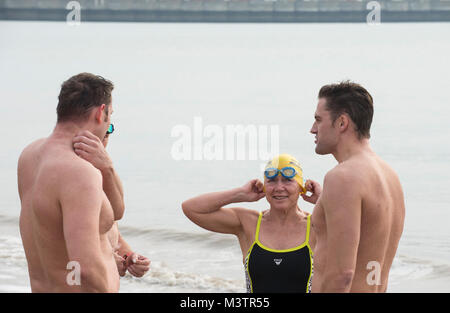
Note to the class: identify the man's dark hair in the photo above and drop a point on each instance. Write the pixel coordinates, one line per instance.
(353, 99)
(80, 93)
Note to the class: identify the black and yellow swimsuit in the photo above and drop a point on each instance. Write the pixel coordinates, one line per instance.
(287, 271)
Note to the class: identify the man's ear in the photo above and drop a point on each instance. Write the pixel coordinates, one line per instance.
(99, 113)
(343, 122)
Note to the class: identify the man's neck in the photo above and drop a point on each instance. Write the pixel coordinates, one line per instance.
(66, 131)
(351, 147)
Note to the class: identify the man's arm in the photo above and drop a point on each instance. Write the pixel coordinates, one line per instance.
(112, 185)
(124, 247)
(135, 263)
(90, 147)
(81, 200)
(342, 205)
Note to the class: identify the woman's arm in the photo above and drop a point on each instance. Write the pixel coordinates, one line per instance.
(207, 210)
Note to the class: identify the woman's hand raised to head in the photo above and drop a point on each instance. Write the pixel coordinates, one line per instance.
(251, 191)
(209, 211)
(315, 189)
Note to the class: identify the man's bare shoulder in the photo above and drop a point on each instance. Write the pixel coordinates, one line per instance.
(366, 170)
(390, 172)
(342, 189)
(73, 170)
(343, 175)
(30, 150)
(33, 144)
(79, 185)
(58, 160)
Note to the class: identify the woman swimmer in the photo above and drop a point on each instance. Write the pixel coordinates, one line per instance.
(277, 243)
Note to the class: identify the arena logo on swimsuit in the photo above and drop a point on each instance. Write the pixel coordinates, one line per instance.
(232, 142)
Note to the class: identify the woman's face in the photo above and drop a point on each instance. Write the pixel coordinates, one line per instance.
(282, 193)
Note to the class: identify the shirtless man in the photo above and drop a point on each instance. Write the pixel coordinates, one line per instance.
(89, 147)
(358, 218)
(66, 215)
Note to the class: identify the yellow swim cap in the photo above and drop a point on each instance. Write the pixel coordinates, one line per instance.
(287, 160)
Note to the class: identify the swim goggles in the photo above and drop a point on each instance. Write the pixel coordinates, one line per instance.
(286, 172)
(110, 129)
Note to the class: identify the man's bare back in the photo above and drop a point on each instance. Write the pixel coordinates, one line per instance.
(381, 220)
(65, 217)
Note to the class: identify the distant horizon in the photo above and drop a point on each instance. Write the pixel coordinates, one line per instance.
(223, 11)
(221, 17)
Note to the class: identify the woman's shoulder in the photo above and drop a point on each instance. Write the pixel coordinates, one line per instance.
(248, 218)
(244, 213)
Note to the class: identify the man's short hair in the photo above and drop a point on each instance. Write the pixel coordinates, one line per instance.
(353, 99)
(80, 93)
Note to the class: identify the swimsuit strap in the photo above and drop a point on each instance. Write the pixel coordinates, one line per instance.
(257, 227)
(308, 227)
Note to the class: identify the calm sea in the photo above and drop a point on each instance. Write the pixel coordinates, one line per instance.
(168, 76)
